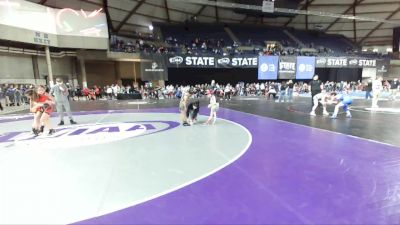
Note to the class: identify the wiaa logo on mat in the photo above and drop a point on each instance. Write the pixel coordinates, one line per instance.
(84, 135)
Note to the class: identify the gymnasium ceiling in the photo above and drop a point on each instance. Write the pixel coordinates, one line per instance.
(126, 16)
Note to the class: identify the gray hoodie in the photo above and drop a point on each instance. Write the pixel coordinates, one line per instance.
(60, 92)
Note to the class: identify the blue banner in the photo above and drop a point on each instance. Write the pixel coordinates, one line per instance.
(268, 67)
(305, 68)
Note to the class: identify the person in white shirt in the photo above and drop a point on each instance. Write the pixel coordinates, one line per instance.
(377, 88)
(394, 89)
(214, 106)
(262, 89)
(114, 91)
(322, 98)
(227, 92)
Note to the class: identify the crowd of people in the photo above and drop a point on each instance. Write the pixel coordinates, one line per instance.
(137, 46)
(218, 46)
(200, 45)
(281, 91)
(13, 95)
(43, 100)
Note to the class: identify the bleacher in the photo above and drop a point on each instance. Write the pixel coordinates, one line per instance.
(259, 34)
(317, 40)
(180, 38)
(186, 34)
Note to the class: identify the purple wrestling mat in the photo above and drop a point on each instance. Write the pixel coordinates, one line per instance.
(291, 174)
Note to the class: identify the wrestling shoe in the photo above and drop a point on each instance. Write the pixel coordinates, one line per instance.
(312, 114)
(72, 122)
(333, 117)
(348, 115)
(52, 131)
(35, 132)
(61, 123)
(326, 114)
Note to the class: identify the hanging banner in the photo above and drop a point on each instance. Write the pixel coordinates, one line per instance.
(286, 64)
(353, 62)
(367, 63)
(206, 61)
(224, 62)
(153, 67)
(345, 62)
(244, 62)
(382, 68)
(268, 67)
(336, 62)
(320, 62)
(305, 67)
(287, 67)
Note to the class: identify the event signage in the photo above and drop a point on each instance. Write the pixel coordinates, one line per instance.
(41, 38)
(212, 61)
(305, 67)
(353, 62)
(320, 62)
(382, 67)
(367, 62)
(244, 61)
(153, 67)
(268, 67)
(336, 62)
(344, 62)
(199, 61)
(287, 67)
(268, 6)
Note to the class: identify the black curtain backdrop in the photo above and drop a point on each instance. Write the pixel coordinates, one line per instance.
(339, 74)
(191, 76)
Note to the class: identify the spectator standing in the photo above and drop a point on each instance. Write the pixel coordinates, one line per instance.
(368, 89)
(282, 92)
(316, 87)
(290, 90)
(394, 88)
(377, 88)
(60, 93)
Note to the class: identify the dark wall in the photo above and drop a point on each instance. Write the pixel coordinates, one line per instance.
(199, 75)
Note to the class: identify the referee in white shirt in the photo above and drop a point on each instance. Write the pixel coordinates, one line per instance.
(377, 88)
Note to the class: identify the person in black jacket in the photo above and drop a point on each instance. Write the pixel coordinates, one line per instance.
(316, 88)
(368, 89)
(290, 90)
(282, 92)
(192, 112)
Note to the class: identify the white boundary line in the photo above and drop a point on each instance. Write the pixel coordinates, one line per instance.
(372, 111)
